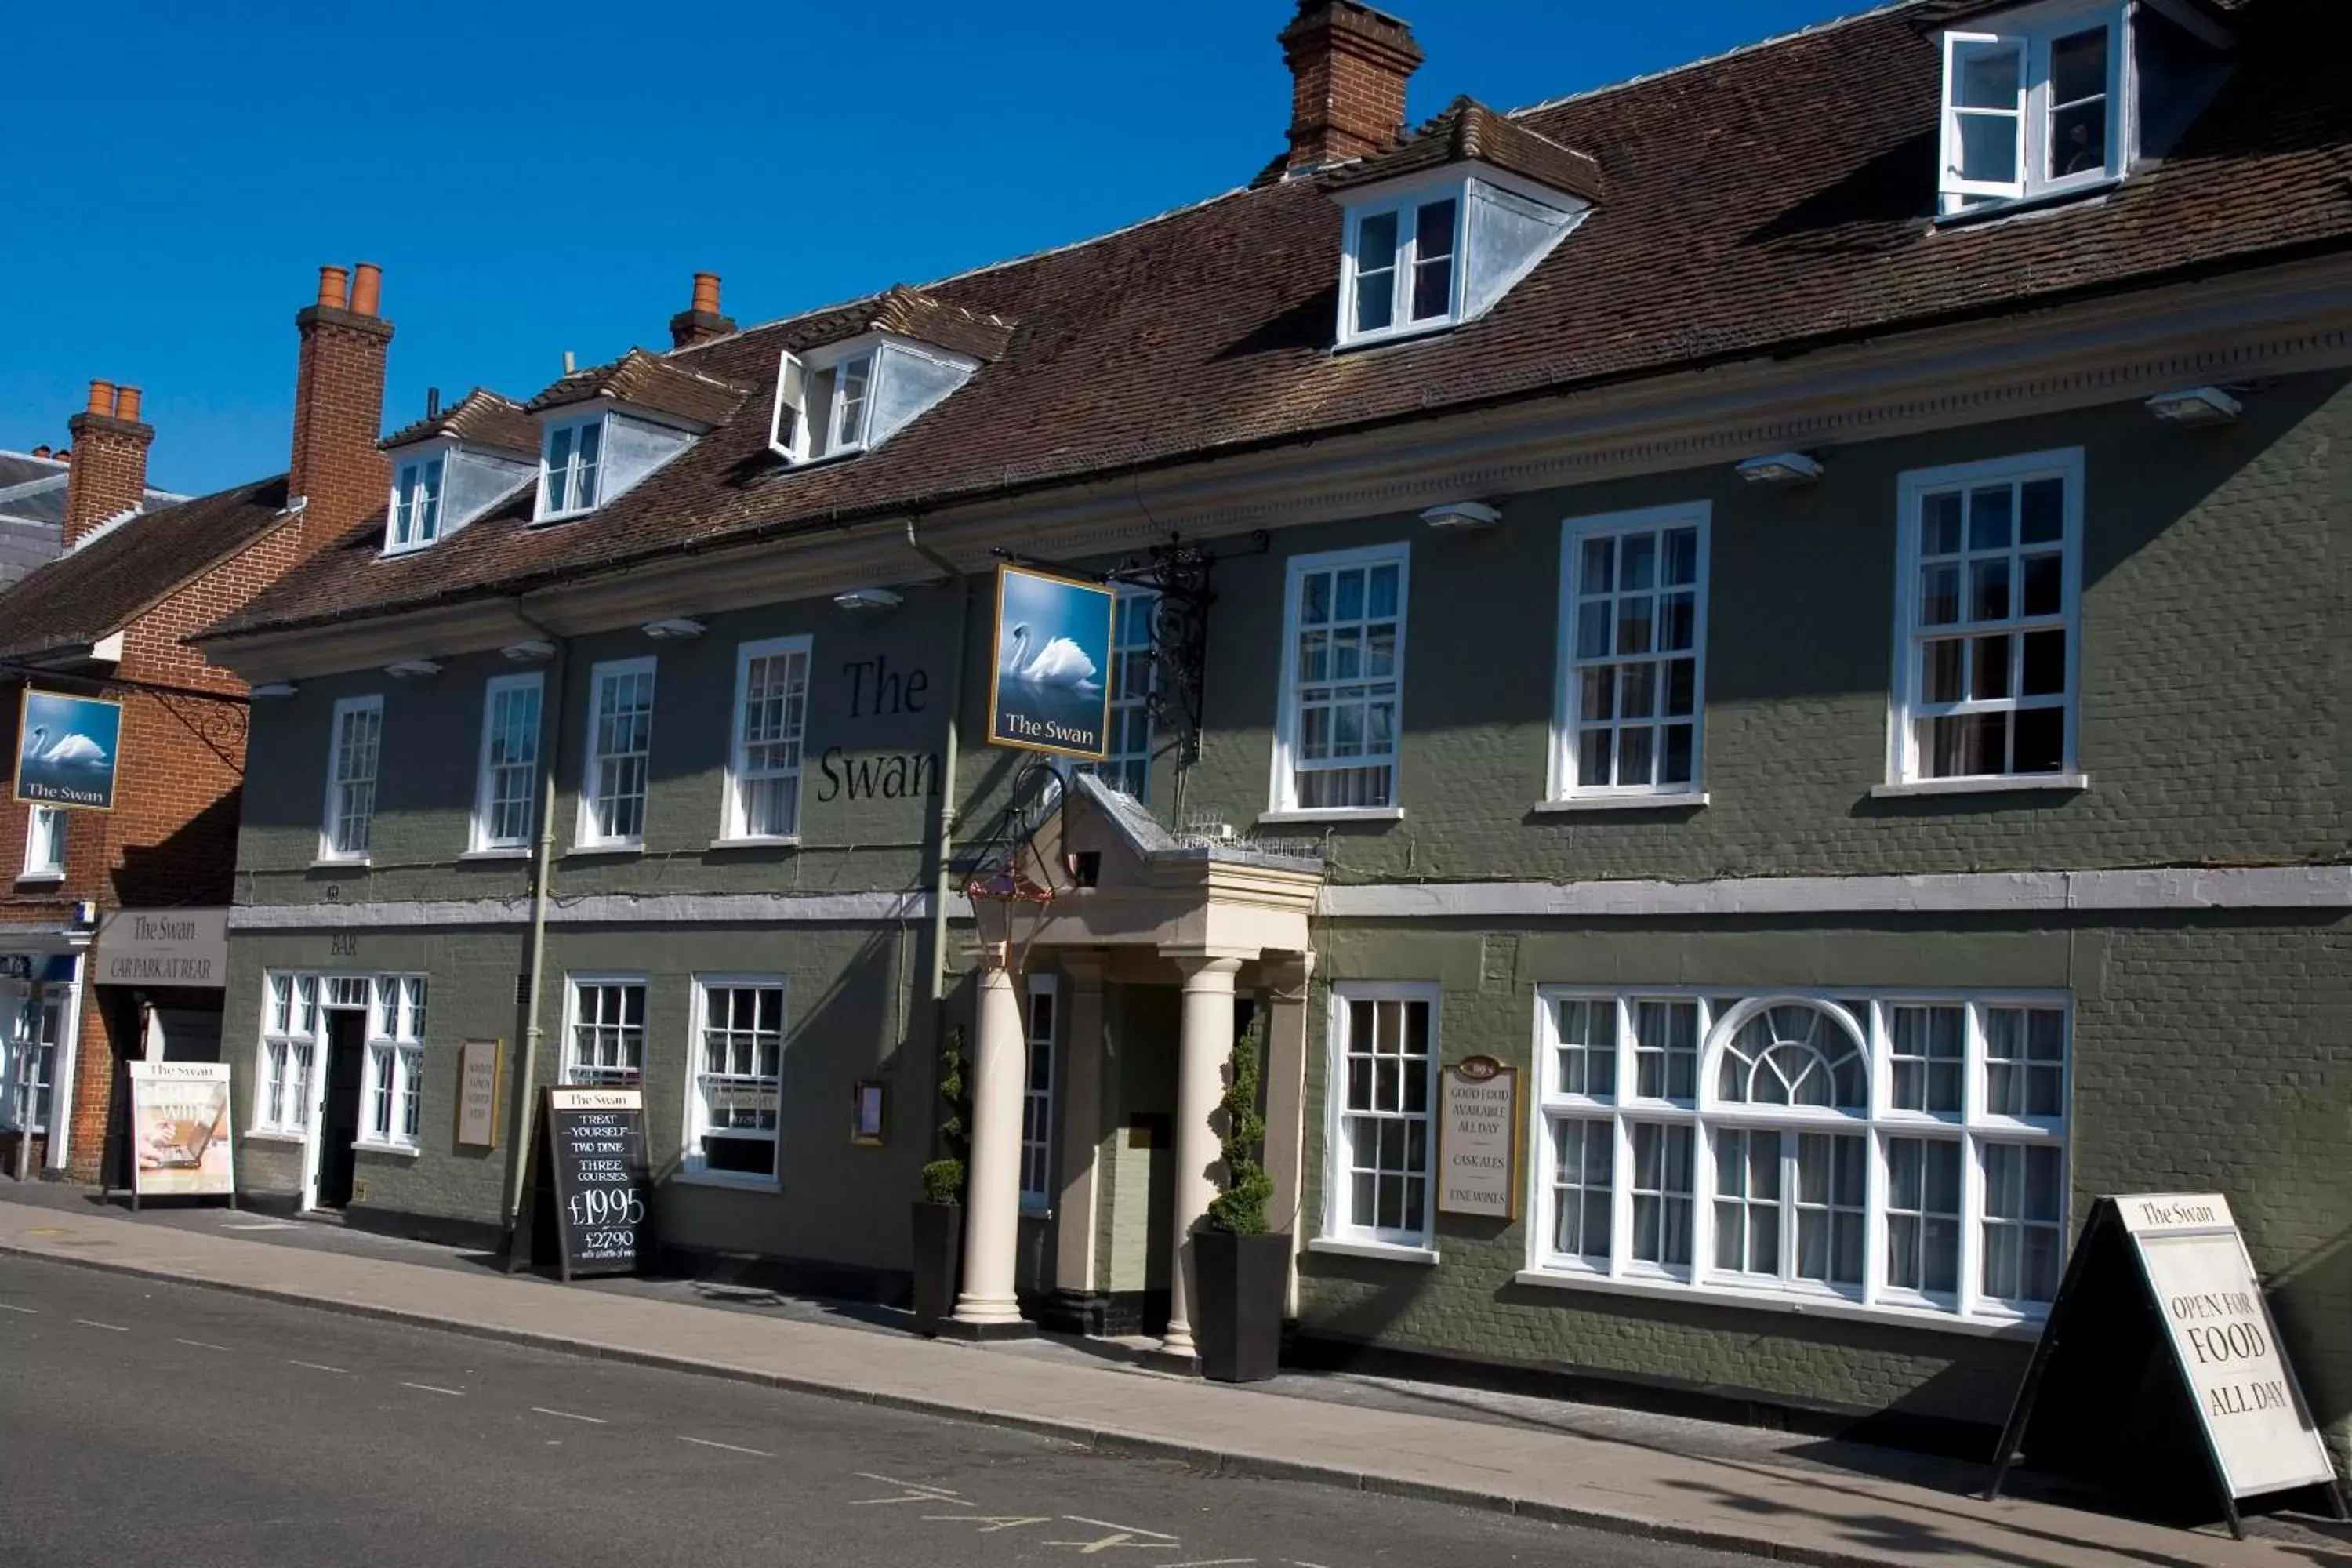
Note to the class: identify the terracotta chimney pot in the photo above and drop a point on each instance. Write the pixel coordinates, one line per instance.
(706, 293)
(126, 403)
(367, 289)
(333, 287)
(102, 398)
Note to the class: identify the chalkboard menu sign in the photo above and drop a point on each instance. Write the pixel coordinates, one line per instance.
(589, 1196)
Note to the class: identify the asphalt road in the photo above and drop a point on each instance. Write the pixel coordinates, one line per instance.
(142, 1423)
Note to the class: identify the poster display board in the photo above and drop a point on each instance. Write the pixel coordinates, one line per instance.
(589, 1196)
(66, 750)
(180, 1142)
(1049, 688)
(477, 1093)
(2180, 1259)
(1479, 1140)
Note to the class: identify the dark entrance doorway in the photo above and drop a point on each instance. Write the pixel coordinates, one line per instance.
(339, 1121)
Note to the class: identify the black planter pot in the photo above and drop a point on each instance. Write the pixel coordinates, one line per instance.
(938, 1263)
(1238, 1322)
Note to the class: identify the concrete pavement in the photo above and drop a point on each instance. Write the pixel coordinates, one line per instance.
(1759, 1508)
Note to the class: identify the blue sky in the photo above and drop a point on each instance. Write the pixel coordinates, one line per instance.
(535, 177)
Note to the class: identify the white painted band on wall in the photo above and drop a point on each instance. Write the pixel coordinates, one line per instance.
(601, 909)
(2009, 892)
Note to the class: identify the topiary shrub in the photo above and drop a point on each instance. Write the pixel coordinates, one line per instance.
(1241, 1207)
(943, 1178)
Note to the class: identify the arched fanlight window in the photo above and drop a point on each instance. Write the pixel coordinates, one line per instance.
(1795, 1053)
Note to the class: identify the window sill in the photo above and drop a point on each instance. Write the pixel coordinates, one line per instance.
(2022, 784)
(741, 1181)
(773, 841)
(1681, 800)
(520, 852)
(275, 1135)
(40, 878)
(1336, 814)
(592, 851)
(1385, 1251)
(341, 863)
(2009, 207)
(1412, 332)
(375, 1146)
(2026, 1329)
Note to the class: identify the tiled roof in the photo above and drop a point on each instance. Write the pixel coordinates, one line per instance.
(93, 592)
(1768, 200)
(1467, 130)
(649, 381)
(912, 313)
(33, 489)
(480, 418)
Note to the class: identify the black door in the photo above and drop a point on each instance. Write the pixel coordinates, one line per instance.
(340, 1125)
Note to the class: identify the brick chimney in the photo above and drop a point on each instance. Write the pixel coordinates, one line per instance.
(337, 469)
(701, 322)
(1349, 64)
(107, 470)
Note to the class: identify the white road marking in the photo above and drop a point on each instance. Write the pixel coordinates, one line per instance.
(1129, 1528)
(263, 1225)
(428, 1388)
(916, 1491)
(1215, 1563)
(568, 1415)
(707, 1443)
(28, 1312)
(315, 1366)
(990, 1524)
(94, 1323)
(895, 1482)
(200, 1344)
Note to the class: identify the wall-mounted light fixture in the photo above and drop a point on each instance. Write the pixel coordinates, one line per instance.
(1780, 468)
(674, 626)
(412, 669)
(274, 688)
(2196, 406)
(867, 599)
(1462, 516)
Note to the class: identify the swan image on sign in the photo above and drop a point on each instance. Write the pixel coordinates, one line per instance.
(1048, 691)
(66, 750)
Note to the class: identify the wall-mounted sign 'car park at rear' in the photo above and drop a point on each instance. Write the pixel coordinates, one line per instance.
(65, 748)
(1050, 690)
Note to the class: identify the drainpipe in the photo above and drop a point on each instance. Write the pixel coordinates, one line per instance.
(551, 723)
(940, 878)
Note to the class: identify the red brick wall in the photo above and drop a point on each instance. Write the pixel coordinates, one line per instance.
(1348, 67)
(108, 474)
(338, 418)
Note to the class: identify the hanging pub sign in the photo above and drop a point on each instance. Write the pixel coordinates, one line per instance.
(1479, 1140)
(66, 750)
(2164, 1278)
(1050, 686)
(589, 1196)
(180, 1144)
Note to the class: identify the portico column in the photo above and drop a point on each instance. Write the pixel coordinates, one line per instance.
(1081, 1139)
(1286, 1097)
(1203, 1048)
(992, 1193)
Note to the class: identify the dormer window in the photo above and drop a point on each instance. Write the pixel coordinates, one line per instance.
(851, 397)
(567, 469)
(1400, 271)
(415, 520)
(2034, 104)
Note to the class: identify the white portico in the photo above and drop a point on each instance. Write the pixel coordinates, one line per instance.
(1134, 907)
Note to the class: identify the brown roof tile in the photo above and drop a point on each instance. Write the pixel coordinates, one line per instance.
(93, 592)
(480, 418)
(1771, 199)
(649, 381)
(1468, 129)
(912, 313)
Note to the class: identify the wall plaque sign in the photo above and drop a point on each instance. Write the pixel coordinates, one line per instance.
(477, 1094)
(164, 947)
(1479, 1140)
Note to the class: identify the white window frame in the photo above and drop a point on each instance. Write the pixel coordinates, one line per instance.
(693, 1163)
(1721, 1012)
(1406, 207)
(1341, 1229)
(1905, 768)
(45, 843)
(336, 818)
(486, 840)
(285, 1089)
(734, 816)
(1038, 1182)
(391, 1084)
(587, 834)
(419, 490)
(1567, 717)
(1128, 764)
(553, 505)
(842, 437)
(599, 1076)
(2029, 32)
(29, 1086)
(1283, 793)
